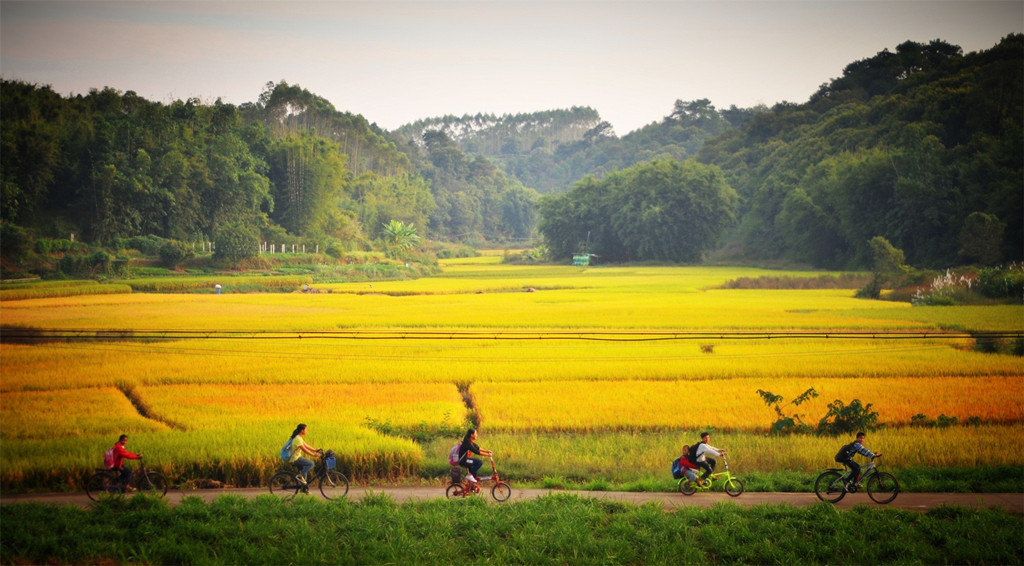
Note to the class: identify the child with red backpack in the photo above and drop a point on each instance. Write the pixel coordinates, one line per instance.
(682, 466)
(114, 458)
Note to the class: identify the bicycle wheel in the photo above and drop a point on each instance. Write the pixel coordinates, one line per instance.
(455, 490)
(501, 491)
(284, 485)
(333, 485)
(102, 485)
(829, 487)
(883, 487)
(152, 483)
(734, 487)
(686, 487)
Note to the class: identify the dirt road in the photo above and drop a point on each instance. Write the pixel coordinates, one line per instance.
(1012, 502)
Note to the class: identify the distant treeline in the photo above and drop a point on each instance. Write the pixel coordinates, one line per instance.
(923, 146)
(110, 165)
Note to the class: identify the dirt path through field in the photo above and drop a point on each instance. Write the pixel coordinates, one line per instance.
(1012, 502)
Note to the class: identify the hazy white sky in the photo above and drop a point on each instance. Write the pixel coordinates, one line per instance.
(398, 61)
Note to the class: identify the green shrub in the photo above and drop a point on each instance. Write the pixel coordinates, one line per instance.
(173, 253)
(1000, 282)
(787, 424)
(335, 251)
(46, 246)
(15, 241)
(845, 419)
(872, 290)
(100, 261)
(148, 244)
(235, 244)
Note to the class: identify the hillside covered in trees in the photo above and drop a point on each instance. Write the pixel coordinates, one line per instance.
(922, 146)
(915, 145)
(111, 165)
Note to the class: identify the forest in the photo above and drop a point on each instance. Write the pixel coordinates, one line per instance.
(923, 146)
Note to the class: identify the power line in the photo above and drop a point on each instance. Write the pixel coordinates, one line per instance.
(34, 335)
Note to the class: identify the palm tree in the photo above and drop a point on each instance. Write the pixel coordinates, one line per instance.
(400, 237)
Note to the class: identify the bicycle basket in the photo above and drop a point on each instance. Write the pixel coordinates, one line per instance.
(456, 475)
(329, 460)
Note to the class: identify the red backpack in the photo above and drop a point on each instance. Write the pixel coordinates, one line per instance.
(108, 458)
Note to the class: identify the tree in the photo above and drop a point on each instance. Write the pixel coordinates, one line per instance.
(888, 268)
(400, 238)
(173, 253)
(786, 424)
(981, 239)
(235, 243)
(663, 210)
(377, 200)
(844, 419)
(309, 177)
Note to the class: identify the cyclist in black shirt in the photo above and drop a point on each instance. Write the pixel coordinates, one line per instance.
(466, 452)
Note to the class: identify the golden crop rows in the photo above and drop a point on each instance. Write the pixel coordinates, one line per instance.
(734, 404)
(217, 406)
(314, 361)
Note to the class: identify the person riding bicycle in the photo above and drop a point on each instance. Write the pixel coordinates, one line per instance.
(700, 457)
(466, 451)
(846, 453)
(119, 454)
(299, 447)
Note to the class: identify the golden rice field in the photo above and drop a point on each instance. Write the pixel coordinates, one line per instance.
(605, 358)
(734, 405)
(623, 457)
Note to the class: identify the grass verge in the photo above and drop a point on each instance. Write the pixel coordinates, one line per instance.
(557, 529)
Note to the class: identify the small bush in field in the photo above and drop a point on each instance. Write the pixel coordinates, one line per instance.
(787, 424)
(844, 419)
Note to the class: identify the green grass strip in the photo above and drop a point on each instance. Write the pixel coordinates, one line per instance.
(556, 529)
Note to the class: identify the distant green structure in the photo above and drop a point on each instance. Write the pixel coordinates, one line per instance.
(581, 259)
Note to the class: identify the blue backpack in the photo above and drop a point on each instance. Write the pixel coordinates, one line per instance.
(286, 451)
(677, 469)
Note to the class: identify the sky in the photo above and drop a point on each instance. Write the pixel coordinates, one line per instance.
(395, 62)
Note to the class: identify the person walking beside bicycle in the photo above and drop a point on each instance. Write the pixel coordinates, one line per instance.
(466, 452)
(699, 453)
(115, 457)
(846, 453)
(300, 447)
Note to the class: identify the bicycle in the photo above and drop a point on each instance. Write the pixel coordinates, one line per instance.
(107, 483)
(331, 483)
(733, 486)
(500, 491)
(834, 483)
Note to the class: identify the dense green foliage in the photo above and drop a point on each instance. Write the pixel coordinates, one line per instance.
(111, 165)
(663, 210)
(474, 197)
(556, 529)
(906, 145)
(923, 147)
(551, 150)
